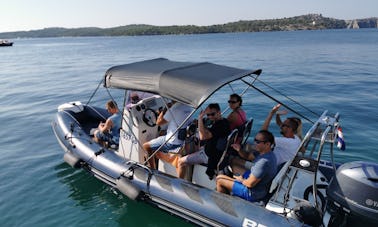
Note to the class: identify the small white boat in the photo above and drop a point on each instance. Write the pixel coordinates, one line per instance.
(307, 190)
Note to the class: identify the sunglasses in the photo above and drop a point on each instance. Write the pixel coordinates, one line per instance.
(259, 141)
(232, 101)
(211, 114)
(285, 125)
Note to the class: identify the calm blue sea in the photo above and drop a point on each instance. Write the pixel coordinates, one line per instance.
(334, 69)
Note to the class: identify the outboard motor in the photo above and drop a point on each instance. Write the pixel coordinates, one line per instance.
(353, 195)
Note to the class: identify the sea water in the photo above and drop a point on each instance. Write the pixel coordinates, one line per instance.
(331, 69)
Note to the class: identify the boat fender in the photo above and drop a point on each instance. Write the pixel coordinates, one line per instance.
(125, 186)
(307, 214)
(71, 160)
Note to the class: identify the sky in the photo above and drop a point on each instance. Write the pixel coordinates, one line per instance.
(25, 15)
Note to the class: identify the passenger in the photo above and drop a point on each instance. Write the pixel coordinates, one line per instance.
(298, 131)
(174, 117)
(191, 146)
(288, 143)
(286, 146)
(108, 133)
(134, 98)
(238, 116)
(214, 136)
(253, 184)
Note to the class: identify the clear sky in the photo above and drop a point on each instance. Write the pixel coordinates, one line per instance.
(24, 15)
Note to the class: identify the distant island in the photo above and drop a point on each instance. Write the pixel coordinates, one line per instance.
(305, 22)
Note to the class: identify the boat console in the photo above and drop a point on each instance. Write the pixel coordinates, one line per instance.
(139, 126)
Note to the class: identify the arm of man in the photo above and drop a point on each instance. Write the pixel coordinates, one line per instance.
(204, 133)
(251, 181)
(104, 127)
(160, 120)
(265, 126)
(258, 171)
(245, 152)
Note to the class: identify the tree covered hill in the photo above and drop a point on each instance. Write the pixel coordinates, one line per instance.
(305, 22)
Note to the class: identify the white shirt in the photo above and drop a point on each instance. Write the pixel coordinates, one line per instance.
(175, 116)
(285, 148)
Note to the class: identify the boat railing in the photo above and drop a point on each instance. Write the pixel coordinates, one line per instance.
(323, 132)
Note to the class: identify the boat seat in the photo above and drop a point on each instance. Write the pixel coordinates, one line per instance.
(199, 177)
(199, 170)
(242, 136)
(273, 185)
(168, 168)
(246, 131)
(279, 176)
(224, 160)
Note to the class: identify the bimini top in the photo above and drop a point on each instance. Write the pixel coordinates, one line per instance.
(187, 82)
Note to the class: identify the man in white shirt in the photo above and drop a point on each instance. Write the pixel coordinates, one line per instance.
(174, 117)
(287, 145)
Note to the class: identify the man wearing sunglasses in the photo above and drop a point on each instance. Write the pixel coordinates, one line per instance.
(252, 184)
(288, 143)
(215, 137)
(285, 145)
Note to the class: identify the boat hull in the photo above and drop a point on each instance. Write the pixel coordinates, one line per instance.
(6, 44)
(192, 202)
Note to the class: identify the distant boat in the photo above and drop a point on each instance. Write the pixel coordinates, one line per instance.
(5, 43)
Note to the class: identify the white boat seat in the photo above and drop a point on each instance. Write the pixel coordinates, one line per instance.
(167, 168)
(199, 177)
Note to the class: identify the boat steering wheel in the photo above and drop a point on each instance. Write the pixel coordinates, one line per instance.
(150, 117)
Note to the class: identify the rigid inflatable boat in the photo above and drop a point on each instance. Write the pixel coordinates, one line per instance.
(309, 189)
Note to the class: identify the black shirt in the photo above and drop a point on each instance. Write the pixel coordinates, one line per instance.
(216, 144)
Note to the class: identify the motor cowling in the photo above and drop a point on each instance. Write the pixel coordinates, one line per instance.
(353, 195)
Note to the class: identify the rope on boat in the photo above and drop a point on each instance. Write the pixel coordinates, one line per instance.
(289, 98)
(95, 91)
(276, 100)
(254, 77)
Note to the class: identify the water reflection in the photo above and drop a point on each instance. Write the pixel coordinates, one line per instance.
(91, 194)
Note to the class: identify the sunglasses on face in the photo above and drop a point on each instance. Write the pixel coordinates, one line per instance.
(259, 141)
(232, 101)
(285, 125)
(211, 114)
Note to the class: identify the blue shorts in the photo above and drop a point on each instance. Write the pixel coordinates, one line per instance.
(246, 174)
(157, 142)
(240, 190)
